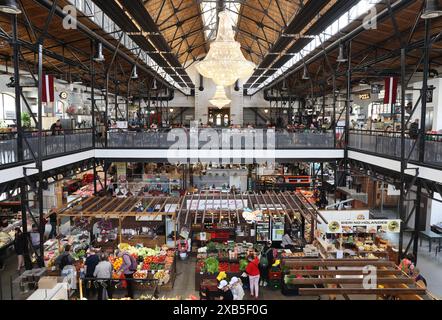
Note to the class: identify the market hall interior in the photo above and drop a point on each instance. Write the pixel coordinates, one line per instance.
(220, 150)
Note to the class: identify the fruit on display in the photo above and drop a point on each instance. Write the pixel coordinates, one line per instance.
(162, 276)
(140, 275)
(223, 266)
(234, 267)
(117, 263)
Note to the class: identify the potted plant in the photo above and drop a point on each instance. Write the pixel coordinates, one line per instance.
(26, 120)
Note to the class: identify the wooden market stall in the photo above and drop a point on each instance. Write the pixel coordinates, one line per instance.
(345, 277)
(130, 215)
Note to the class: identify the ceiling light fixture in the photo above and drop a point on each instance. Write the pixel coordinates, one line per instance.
(225, 62)
(433, 9)
(305, 75)
(220, 99)
(341, 56)
(99, 57)
(135, 73)
(9, 6)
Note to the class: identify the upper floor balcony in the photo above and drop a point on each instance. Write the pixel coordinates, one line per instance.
(388, 145)
(378, 143)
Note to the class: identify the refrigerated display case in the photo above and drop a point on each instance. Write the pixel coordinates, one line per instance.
(277, 226)
(263, 231)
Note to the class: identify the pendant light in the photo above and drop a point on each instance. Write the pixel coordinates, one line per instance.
(341, 56)
(9, 6)
(99, 57)
(225, 62)
(220, 99)
(284, 85)
(305, 75)
(135, 73)
(154, 87)
(433, 9)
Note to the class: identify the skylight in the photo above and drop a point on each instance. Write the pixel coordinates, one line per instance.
(95, 14)
(356, 12)
(208, 9)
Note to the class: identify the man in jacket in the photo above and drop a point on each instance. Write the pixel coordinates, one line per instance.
(414, 129)
(64, 259)
(103, 271)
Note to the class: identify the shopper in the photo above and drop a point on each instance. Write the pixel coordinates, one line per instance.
(287, 242)
(237, 288)
(414, 129)
(128, 267)
(265, 263)
(407, 264)
(53, 222)
(35, 238)
(90, 264)
(56, 128)
(19, 247)
(419, 278)
(103, 272)
(252, 270)
(225, 291)
(65, 259)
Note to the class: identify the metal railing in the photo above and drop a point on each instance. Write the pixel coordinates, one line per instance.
(233, 139)
(387, 143)
(65, 142)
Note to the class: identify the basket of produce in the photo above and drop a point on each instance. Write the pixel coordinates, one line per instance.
(234, 267)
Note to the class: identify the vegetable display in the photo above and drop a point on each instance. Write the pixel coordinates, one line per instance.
(212, 265)
(243, 264)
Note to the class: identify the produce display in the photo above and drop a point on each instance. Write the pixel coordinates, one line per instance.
(152, 263)
(224, 257)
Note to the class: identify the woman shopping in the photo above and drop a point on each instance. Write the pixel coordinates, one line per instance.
(252, 271)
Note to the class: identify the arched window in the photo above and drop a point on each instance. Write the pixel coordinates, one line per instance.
(7, 106)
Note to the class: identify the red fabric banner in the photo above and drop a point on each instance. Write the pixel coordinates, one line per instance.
(391, 86)
(48, 89)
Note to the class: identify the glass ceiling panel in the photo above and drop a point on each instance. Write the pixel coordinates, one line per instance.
(356, 12)
(208, 9)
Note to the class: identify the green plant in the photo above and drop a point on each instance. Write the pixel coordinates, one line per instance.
(25, 120)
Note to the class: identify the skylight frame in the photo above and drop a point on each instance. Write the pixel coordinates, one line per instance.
(96, 15)
(363, 7)
(208, 10)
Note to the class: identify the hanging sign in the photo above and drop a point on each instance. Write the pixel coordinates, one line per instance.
(365, 96)
(364, 226)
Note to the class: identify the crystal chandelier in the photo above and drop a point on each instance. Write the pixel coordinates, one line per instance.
(225, 63)
(220, 99)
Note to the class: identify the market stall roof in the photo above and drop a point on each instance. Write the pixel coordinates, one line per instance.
(122, 207)
(327, 278)
(203, 207)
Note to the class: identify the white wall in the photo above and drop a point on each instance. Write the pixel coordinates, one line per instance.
(435, 106)
(435, 210)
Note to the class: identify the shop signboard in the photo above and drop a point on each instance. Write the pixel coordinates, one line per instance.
(364, 226)
(340, 215)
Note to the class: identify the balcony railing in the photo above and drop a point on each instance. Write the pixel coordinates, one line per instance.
(388, 144)
(66, 142)
(223, 139)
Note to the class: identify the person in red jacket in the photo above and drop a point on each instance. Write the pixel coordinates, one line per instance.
(252, 271)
